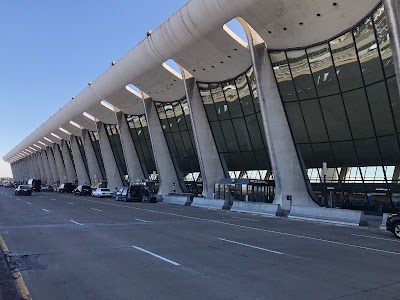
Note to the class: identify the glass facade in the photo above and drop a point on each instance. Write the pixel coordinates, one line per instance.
(141, 139)
(116, 147)
(94, 138)
(177, 127)
(343, 107)
(234, 114)
(82, 151)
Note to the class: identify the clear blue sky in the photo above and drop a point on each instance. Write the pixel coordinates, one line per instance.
(51, 49)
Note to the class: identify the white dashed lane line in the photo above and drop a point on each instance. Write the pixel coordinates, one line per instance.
(142, 220)
(45, 210)
(70, 203)
(156, 255)
(96, 209)
(77, 223)
(29, 203)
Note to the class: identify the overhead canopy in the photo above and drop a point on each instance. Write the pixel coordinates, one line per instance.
(194, 37)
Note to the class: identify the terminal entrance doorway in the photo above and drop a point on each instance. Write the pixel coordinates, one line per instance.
(247, 190)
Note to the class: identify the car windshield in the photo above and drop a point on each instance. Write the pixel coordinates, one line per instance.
(105, 190)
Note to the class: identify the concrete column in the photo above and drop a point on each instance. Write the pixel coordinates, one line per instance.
(81, 172)
(52, 163)
(69, 165)
(133, 165)
(113, 177)
(392, 10)
(46, 166)
(62, 175)
(207, 153)
(31, 167)
(165, 167)
(287, 167)
(36, 167)
(13, 169)
(93, 164)
(40, 165)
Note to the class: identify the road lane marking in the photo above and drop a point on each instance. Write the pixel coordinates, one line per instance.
(53, 199)
(377, 238)
(158, 256)
(142, 220)
(251, 228)
(70, 203)
(45, 210)
(77, 223)
(96, 209)
(29, 203)
(250, 246)
(245, 219)
(18, 199)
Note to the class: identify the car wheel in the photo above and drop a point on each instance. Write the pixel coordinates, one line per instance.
(396, 229)
(15, 193)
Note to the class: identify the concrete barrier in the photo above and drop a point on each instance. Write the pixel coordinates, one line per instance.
(256, 207)
(208, 203)
(329, 215)
(178, 199)
(384, 219)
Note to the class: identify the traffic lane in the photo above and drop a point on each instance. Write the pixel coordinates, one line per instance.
(111, 233)
(336, 234)
(357, 236)
(301, 265)
(222, 262)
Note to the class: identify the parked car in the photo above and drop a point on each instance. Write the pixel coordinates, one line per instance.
(393, 224)
(66, 188)
(47, 188)
(129, 194)
(102, 192)
(136, 193)
(23, 190)
(83, 190)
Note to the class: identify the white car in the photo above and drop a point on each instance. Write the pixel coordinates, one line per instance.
(102, 192)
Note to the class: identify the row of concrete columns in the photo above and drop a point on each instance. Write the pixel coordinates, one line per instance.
(51, 163)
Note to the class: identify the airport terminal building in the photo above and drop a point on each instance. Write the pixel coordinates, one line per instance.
(305, 113)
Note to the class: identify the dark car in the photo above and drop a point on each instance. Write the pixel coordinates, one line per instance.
(83, 190)
(66, 188)
(393, 224)
(23, 190)
(47, 188)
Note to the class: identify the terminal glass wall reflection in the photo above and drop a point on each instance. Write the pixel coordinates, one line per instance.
(82, 151)
(176, 124)
(116, 147)
(343, 107)
(94, 139)
(141, 139)
(234, 114)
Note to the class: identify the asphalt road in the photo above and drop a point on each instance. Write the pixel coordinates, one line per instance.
(71, 247)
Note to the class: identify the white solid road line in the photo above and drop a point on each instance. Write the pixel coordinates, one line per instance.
(77, 223)
(245, 219)
(29, 203)
(376, 238)
(45, 210)
(70, 203)
(158, 256)
(250, 246)
(251, 228)
(142, 220)
(96, 209)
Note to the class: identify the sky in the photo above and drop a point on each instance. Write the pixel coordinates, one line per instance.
(51, 49)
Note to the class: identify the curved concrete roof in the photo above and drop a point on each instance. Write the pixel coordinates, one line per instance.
(194, 37)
